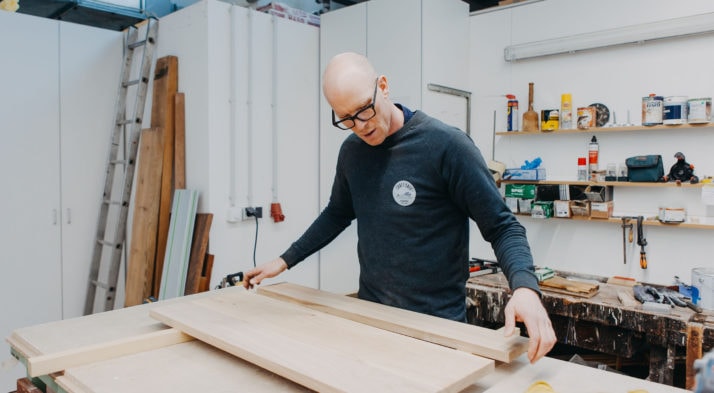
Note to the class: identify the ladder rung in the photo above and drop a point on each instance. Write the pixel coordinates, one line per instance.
(110, 202)
(136, 44)
(114, 162)
(125, 121)
(99, 284)
(131, 83)
(106, 243)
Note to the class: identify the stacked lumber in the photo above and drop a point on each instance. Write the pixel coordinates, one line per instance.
(569, 287)
(161, 172)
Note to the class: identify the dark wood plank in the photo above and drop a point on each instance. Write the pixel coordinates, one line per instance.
(199, 246)
(163, 115)
(140, 271)
(207, 271)
(180, 142)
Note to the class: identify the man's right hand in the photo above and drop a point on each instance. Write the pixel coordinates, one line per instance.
(269, 269)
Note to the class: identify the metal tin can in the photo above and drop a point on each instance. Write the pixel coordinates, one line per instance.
(699, 110)
(675, 110)
(512, 113)
(549, 119)
(652, 110)
(586, 117)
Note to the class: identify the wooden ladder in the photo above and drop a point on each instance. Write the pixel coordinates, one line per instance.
(111, 226)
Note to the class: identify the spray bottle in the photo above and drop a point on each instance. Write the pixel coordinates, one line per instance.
(512, 113)
(593, 152)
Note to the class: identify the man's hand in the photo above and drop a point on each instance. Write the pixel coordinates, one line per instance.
(269, 269)
(525, 306)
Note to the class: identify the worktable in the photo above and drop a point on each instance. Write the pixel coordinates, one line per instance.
(603, 324)
(193, 365)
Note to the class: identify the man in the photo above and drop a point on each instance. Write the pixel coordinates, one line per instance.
(413, 182)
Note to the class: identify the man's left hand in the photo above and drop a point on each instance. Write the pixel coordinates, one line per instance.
(525, 306)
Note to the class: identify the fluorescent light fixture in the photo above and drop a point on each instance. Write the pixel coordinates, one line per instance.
(669, 28)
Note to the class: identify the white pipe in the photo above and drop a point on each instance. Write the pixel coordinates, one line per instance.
(274, 109)
(233, 107)
(249, 112)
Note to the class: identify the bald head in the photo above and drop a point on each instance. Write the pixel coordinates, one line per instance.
(347, 74)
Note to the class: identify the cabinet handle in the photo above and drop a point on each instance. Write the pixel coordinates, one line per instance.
(54, 216)
(69, 216)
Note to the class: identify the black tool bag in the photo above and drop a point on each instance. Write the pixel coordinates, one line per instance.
(647, 168)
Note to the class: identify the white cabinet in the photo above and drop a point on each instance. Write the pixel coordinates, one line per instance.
(413, 45)
(53, 116)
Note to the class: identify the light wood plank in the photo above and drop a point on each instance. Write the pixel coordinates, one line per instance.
(180, 141)
(473, 339)
(139, 276)
(46, 364)
(182, 368)
(199, 246)
(163, 115)
(320, 351)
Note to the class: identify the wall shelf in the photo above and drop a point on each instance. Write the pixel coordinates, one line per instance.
(608, 129)
(694, 222)
(608, 183)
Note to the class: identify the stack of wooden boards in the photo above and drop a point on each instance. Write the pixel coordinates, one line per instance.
(567, 286)
(184, 267)
(318, 340)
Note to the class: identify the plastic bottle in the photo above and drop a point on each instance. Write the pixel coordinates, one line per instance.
(566, 111)
(512, 113)
(593, 152)
(582, 169)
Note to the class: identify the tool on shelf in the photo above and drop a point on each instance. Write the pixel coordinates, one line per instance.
(530, 117)
(479, 267)
(111, 226)
(642, 242)
(626, 224)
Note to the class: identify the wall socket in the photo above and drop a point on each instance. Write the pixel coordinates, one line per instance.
(249, 212)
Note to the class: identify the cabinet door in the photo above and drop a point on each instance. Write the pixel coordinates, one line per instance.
(90, 64)
(30, 275)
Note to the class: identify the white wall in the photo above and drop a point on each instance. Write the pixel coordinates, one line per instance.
(618, 77)
(200, 36)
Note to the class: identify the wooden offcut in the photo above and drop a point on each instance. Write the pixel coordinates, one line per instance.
(695, 332)
(569, 287)
(321, 351)
(469, 338)
(163, 115)
(180, 141)
(140, 271)
(206, 275)
(199, 246)
(51, 363)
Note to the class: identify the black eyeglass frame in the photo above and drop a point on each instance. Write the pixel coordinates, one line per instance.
(342, 123)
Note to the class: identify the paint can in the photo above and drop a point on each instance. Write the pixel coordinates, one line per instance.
(703, 280)
(586, 117)
(699, 110)
(675, 110)
(549, 119)
(652, 110)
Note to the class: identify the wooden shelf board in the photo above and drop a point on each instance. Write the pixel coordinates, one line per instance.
(607, 183)
(608, 129)
(695, 223)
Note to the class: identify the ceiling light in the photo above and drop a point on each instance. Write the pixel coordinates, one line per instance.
(669, 28)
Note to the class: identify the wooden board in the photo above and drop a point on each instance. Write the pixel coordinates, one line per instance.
(51, 363)
(569, 287)
(321, 351)
(183, 217)
(163, 115)
(206, 275)
(140, 272)
(199, 246)
(473, 339)
(182, 368)
(180, 141)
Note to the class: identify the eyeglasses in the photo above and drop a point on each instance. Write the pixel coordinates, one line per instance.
(363, 114)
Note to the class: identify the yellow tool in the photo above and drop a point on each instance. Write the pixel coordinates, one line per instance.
(540, 387)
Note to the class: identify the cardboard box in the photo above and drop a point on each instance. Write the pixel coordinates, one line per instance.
(285, 11)
(599, 193)
(580, 208)
(542, 209)
(524, 174)
(601, 209)
(512, 203)
(523, 191)
(561, 209)
(525, 205)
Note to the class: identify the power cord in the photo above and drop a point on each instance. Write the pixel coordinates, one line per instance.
(255, 244)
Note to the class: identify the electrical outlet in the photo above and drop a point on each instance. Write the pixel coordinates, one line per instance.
(249, 212)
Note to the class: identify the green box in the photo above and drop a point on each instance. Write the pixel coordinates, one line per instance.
(542, 209)
(523, 191)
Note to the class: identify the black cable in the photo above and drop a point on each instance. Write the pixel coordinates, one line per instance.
(255, 244)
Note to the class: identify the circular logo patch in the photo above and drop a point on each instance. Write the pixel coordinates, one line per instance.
(404, 193)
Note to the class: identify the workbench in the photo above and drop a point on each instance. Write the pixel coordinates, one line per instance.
(193, 365)
(602, 323)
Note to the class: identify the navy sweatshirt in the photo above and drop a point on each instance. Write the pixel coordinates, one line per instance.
(412, 197)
